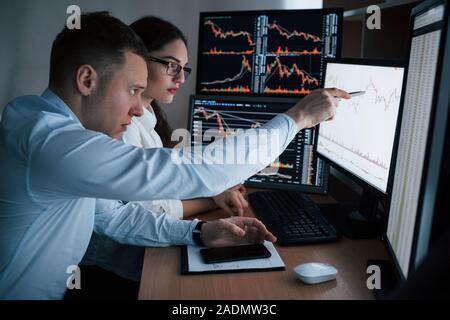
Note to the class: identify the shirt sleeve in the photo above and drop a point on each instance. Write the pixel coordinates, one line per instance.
(132, 224)
(70, 161)
(170, 207)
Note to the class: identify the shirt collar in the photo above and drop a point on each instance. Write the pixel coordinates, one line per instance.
(56, 101)
(150, 117)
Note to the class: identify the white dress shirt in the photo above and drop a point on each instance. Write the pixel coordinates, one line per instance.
(141, 133)
(55, 177)
(122, 259)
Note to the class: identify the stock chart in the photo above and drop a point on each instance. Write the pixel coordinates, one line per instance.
(361, 136)
(296, 166)
(273, 53)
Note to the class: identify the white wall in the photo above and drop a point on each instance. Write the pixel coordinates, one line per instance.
(28, 27)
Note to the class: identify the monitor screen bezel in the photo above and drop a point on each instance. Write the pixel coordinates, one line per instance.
(379, 63)
(338, 11)
(263, 185)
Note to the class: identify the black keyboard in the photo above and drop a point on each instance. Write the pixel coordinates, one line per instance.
(292, 217)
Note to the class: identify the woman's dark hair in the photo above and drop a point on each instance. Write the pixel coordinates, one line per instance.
(100, 42)
(156, 33)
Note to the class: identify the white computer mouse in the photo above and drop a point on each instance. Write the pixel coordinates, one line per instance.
(315, 272)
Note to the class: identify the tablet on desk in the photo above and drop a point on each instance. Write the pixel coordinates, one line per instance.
(192, 261)
(236, 253)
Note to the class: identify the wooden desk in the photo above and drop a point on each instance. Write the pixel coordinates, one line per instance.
(161, 277)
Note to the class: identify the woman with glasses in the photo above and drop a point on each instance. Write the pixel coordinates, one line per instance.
(167, 71)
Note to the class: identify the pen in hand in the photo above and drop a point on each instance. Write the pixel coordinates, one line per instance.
(353, 94)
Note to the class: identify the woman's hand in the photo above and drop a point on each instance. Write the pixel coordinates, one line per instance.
(232, 201)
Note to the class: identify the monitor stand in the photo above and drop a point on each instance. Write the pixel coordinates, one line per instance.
(355, 224)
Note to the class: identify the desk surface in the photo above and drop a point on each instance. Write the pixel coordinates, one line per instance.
(161, 277)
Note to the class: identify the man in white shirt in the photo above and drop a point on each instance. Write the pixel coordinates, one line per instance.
(59, 164)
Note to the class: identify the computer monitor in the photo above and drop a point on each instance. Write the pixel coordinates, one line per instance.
(360, 140)
(297, 168)
(424, 134)
(278, 53)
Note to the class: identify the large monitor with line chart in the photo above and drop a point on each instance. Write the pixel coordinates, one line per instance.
(360, 139)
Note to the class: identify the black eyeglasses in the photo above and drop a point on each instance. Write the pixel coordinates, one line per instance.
(173, 69)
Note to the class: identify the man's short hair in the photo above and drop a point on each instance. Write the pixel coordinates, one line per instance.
(100, 42)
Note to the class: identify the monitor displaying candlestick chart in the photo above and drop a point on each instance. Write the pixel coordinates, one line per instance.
(277, 53)
(360, 139)
(296, 168)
